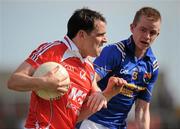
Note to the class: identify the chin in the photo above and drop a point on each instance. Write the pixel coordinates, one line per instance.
(95, 54)
(98, 53)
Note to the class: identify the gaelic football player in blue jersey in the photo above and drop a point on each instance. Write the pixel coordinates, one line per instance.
(133, 60)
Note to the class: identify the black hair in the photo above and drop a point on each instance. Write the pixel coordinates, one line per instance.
(83, 19)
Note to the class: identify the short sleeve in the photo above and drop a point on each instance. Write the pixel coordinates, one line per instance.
(147, 94)
(109, 58)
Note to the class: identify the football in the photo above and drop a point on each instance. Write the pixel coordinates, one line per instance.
(42, 70)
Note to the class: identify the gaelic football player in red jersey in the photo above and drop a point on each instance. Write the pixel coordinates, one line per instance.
(85, 36)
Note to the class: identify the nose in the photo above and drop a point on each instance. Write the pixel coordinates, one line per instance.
(105, 39)
(147, 35)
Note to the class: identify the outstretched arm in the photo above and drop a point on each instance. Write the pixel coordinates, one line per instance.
(99, 99)
(22, 80)
(142, 114)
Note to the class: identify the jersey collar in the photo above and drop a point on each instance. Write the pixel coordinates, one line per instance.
(73, 48)
(131, 47)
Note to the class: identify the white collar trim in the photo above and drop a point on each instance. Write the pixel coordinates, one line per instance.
(73, 48)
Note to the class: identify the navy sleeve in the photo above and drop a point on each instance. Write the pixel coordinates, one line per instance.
(147, 94)
(107, 61)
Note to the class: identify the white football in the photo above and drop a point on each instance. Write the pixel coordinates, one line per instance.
(42, 70)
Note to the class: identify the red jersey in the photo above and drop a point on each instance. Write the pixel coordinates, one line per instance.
(61, 113)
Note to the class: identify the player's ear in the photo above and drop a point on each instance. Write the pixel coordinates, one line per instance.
(81, 34)
(132, 27)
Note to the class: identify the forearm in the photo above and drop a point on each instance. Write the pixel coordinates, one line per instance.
(85, 113)
(111, 93)
(21, 82)
(100, 99)
(142, 118)
(93, 104)
(107, 95)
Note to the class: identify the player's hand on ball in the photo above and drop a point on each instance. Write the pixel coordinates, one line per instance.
(54, 83)
(114, 86)
(55, 80)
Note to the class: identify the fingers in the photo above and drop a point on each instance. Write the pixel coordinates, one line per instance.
(57, 78)
(96, 101)
(120, 84)
(114, 87)
(63, 89)
(63, 85)
(99, 105)
(116, 81)
(64, 81)
(54, 70)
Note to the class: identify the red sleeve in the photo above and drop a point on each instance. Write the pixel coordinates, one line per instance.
(46, 52)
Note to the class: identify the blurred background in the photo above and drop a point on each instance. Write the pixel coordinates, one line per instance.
(24, 24)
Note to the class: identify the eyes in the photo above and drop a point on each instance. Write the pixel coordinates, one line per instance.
(152, 33)
(101, 34)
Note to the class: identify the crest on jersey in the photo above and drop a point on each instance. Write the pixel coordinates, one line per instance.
(83, 75)
(147, 77)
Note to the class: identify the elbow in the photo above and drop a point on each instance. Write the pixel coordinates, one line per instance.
(10, 84)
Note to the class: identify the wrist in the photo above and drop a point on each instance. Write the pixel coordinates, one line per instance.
(37, 83)
(107, 95)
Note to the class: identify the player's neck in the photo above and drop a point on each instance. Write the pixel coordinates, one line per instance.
(79, 45)
(139, 53)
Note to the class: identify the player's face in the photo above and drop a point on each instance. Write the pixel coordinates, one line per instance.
(145, 32)
(95, 40)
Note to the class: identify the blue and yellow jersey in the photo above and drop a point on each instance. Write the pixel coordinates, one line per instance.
(118, 59)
